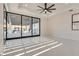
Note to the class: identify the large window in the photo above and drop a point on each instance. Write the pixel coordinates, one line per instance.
(75, 21)
(18, 26)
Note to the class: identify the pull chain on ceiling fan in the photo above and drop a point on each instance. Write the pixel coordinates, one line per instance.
(47, 9)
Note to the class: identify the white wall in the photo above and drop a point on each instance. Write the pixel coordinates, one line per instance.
(44, 26)
(60, 26)
(1, 28)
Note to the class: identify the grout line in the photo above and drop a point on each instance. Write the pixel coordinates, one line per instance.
(47, 49)
(41, 47)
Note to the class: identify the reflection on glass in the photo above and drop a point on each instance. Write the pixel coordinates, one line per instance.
(26, 26)
(35, 26)
(13, 25)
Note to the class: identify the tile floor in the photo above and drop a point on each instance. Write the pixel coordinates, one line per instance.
(25, 41)
(42, 46)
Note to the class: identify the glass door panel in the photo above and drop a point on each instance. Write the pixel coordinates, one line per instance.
(13, 25)
(35, 26)
(26, 26)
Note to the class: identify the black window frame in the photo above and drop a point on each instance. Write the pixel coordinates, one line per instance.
(74, 22)
(21, 26)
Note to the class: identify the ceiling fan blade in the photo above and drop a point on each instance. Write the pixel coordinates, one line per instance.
(49, 11)
(53, 9)
(40, 7)
(50, 6)
(45, 5)
(42, 11)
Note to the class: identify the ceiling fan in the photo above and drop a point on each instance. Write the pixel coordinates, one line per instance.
(47, 9)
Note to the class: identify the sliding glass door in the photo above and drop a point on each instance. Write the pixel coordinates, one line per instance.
(19, 26)
(26, 26)
(35, 26)
(13, 25)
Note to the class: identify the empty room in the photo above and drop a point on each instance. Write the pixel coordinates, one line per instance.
(39, 29)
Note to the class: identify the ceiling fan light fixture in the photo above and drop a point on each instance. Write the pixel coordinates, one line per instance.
(45, 10)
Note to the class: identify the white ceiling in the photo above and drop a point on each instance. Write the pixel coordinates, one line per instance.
(32, 7)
